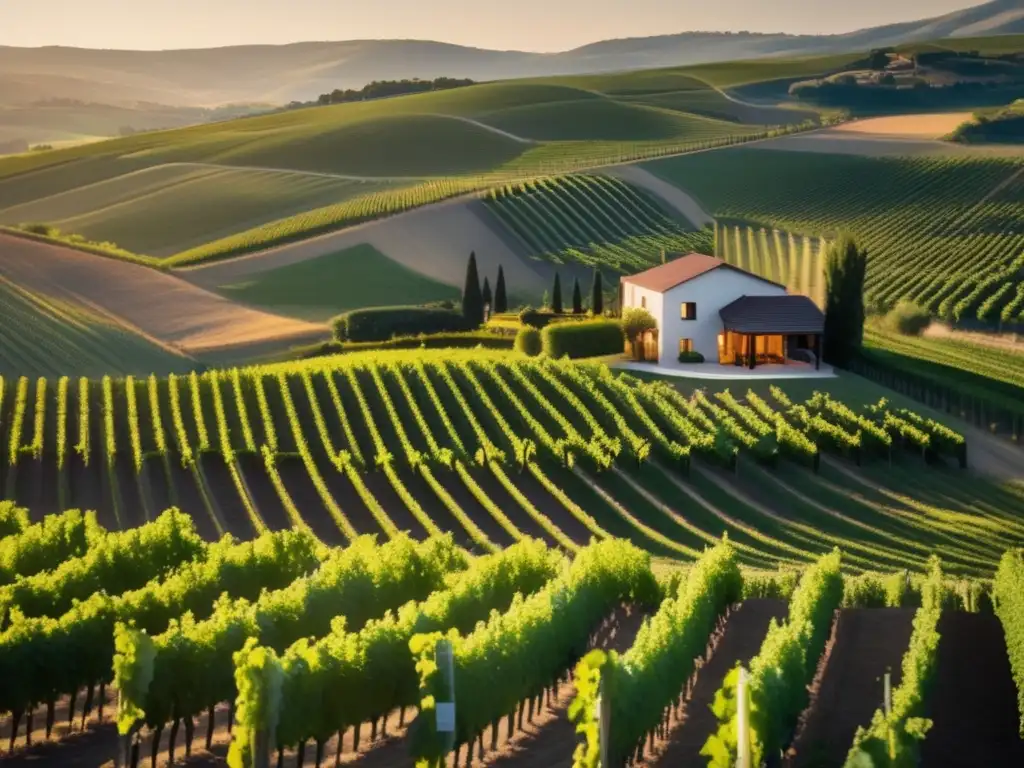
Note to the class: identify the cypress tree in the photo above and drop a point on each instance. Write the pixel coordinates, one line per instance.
(556, 295)
(577, 297)
(845, 265)
(500, 299)
(486, 294)
(597, 294)
(472, 300)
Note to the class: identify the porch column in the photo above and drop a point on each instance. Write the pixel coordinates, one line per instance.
(752, 340)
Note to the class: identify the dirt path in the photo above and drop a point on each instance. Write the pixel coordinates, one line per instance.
(165, 307)
(289, 171)
(991, 456)
(973, 702)
(1010, 342)
(491, 128)
(739, 643)
(867, 642)
(674, 196)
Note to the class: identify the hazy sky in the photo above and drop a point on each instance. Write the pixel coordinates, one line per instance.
(534, 25)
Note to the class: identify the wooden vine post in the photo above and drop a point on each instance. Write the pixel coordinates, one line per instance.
(743, 722)
(445, 710)
(888, 714)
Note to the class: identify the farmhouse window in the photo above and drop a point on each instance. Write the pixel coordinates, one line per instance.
(686, 345)
(643, 302)
(688, 310)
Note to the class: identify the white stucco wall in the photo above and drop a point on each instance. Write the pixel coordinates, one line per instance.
(711, 291)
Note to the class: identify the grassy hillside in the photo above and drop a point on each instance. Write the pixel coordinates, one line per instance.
(320, 288)
(943, 232)
(592, 220)
(995, 375)
(416, 149)
(167, 209)
(296, 139)
(42, 336)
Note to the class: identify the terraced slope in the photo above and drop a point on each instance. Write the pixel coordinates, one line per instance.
(598, 221)
(464, 139)
(167, 209)
(944, 232)
(40, 335)
(134, 298)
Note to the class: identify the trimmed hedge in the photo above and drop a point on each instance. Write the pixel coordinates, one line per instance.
(384, 323)
(467, 340)
(528, 342)
(691, 357)
(536, 318)
(592, 338)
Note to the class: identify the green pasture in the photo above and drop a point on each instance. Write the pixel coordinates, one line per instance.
(164, 210)
(328, 285)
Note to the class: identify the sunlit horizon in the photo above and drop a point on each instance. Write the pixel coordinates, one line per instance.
(528, 25)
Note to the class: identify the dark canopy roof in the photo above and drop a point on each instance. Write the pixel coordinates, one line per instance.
(773, 314)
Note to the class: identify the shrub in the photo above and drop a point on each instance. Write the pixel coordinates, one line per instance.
(591, 338)
(46, 230)
(908, 319)
(383, 323)
(691, 357)
(636, 320)
(467, 340)
(528, 341)
(532, 317)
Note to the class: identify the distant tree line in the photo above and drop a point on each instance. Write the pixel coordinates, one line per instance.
(845, 91)
(382, 89)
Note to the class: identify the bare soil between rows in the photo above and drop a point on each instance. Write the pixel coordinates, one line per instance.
(866, 642)
(738, 643)
(973, 702)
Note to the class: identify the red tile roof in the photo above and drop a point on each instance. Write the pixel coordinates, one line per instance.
(667, 276)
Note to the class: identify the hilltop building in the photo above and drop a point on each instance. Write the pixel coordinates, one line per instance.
(728, 315)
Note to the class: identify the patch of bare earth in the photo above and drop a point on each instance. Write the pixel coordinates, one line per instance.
(161, 306)
(738, 642)
(973, 701)
(850, 686)
(932, 126)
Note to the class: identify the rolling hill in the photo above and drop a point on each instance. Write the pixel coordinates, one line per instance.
(279, 74)
(221, 189)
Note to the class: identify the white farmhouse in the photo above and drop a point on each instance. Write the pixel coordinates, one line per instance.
(728, 315)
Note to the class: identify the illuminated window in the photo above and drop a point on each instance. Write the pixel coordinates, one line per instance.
(686, 345)
(688, 310)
